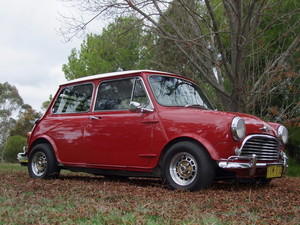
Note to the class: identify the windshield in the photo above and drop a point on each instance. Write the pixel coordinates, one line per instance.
(172, 91)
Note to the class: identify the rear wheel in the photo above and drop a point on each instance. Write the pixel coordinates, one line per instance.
(188, 166)
(42, 162)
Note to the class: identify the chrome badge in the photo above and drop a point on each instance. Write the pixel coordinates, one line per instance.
(265, 129)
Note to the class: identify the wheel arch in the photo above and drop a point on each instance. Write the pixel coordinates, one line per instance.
(208, 149)
(44, 140)
(42, 162)
(187, 164)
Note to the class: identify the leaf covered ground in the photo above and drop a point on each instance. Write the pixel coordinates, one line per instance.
(84, 199)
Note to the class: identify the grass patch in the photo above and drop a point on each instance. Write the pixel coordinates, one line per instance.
(12, 167)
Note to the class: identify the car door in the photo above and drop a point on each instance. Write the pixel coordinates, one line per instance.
(65, 125)
(115, 136)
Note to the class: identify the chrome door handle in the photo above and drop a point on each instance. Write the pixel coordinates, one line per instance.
(95, 117)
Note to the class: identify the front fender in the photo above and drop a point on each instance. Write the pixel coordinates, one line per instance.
(202, 141)
(43, 139)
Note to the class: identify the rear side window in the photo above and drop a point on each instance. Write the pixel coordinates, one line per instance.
(74, 99)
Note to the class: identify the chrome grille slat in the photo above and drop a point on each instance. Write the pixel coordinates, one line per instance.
(265, 153)
(262, 143)
(265, 147)
(262, 146)
(265, 150)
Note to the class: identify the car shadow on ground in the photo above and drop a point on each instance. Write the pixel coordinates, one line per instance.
(230, 185)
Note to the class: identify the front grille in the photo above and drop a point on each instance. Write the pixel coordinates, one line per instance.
(265, 147)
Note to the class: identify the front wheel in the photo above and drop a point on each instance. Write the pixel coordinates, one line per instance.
(188, 166)
(42, 162)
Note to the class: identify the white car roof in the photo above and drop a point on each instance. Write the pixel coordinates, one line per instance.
(105, 75)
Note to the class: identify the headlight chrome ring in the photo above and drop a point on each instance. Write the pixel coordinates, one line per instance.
(282, 134)
(238, 128)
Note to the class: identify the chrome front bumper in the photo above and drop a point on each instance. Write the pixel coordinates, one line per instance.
(250, 162)
(22, 156)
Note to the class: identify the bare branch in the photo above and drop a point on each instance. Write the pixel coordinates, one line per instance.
(276, 65)
(219, 42)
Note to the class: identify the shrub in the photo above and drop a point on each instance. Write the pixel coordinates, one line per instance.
(12, 147)
(293, 147)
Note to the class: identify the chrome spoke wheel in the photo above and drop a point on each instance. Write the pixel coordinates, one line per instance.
(39, 164)
(186, 165)
(42, 162)
(183, 168)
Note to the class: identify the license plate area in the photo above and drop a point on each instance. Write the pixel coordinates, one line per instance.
(274, 171)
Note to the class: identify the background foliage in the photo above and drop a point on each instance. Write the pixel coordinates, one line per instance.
(10, 101)
(244, 52)
(13, 146)
(13, 129)
(116, 48)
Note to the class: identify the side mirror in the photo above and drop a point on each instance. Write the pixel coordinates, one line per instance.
(134, 106)
(137, 107)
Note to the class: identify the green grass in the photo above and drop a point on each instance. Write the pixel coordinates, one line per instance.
(8, 167)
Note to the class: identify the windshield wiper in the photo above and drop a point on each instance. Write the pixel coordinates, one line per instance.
(195, 106)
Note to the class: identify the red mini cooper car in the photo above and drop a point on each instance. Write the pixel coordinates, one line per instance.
(155, 124)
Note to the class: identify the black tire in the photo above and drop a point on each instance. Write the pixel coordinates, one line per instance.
(186, 165)
(42, 162)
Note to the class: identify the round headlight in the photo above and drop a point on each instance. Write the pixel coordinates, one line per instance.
(238, 128)
(283, 134)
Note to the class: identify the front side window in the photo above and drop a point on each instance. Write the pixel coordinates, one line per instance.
(114, 95)
(139, 94)
(172, 91)
(117, 94)
(74, 99)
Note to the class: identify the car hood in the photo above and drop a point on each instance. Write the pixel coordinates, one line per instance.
(256, 125)
(222, 120)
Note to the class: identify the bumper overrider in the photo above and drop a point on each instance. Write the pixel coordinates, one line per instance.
(250, 163)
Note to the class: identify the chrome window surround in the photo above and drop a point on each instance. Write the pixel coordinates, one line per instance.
(181, 78)
(72, 84)
(133, 77)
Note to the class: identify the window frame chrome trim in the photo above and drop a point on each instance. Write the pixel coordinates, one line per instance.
(182, 78)
(69, 85)
(121, 78)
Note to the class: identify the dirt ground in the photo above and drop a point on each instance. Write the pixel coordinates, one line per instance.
(84, 196)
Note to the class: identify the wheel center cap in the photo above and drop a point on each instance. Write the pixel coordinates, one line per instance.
(184, 169)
